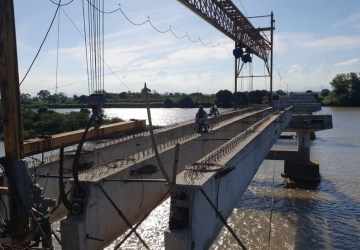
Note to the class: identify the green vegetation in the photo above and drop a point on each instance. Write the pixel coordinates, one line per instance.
(346, 91)
(43, 122)
(39, 120)
(123, 99)
(223, 98)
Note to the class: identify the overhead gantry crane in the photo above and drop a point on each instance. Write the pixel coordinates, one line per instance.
(227, 18)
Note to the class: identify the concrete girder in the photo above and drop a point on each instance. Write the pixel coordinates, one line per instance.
(194, 223)
(100, 219)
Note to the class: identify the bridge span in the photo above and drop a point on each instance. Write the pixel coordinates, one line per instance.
(121, 191)
(121, 182)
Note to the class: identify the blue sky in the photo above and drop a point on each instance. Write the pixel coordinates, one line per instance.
(314, 41)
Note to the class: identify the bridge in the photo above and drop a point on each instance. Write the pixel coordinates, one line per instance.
(208, 173)
(115, 184)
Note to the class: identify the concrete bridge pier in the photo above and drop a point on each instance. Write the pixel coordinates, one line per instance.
(302, 167)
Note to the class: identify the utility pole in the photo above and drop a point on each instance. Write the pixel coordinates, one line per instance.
(9, 83)
(272, 53)
(236, 78)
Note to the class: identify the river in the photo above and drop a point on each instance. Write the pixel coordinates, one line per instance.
(324, 216)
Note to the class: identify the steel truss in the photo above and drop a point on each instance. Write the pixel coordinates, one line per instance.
(227, 18)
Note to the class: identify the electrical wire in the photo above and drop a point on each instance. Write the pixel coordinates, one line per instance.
(42, 43)
(59, 3)
(243, 8)
(132, 22)
(148, 20)
(127, 68)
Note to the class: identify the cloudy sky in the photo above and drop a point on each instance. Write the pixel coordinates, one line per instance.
(314, 41)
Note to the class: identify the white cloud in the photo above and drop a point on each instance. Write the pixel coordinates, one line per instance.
(294, 69)
(353, 20)
(348, 62)
(332, 43)
(290, 40)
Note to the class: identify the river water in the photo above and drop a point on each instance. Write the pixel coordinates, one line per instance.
(324, 216)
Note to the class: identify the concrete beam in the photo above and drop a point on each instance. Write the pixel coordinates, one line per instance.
(40, 145)
(100, 218)
(309, 123)
(193, 223)
(132, 148)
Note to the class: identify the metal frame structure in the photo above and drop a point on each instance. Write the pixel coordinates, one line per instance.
(227, 18)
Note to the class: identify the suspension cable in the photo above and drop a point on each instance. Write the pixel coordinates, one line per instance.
(94, 44)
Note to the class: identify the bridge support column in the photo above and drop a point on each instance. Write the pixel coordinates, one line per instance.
(302, 167)
(180, 234)
(193, 223)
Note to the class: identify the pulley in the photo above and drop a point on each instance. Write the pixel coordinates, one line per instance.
(238, 52)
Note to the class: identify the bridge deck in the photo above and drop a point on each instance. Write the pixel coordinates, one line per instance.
(101, 218)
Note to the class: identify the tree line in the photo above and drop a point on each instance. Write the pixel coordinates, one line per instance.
(345, 92)
(43, 122)
(40, 120)
(223, 98)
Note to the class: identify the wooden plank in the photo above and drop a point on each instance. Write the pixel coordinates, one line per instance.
(40, 145)
(4, 190)
(9, 83)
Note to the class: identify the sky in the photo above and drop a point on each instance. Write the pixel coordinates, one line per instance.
(313, 41)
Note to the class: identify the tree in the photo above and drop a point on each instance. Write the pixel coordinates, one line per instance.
(123, 95)
(168, 103)
(280, 92)
(325, 92)
(83, 99)
(43, 95)
(224, 99)
(186, 102)
(255, 97)
(242, 98)
(25, 98)
(346, 89)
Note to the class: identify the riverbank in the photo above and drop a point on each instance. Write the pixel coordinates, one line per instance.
(115, 105)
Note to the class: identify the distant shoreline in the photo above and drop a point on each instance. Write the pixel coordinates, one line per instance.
(108, 105)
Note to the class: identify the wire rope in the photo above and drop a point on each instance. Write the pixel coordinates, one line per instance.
(88, 74)
(95, 45)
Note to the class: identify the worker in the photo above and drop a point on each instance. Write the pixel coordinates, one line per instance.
(214, 111)
(201, 124)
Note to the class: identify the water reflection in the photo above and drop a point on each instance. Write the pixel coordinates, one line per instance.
(304, 217)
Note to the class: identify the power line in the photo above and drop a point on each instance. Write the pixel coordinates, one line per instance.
(148, 20)
(59, 3)
(42, 43)
(170, 29)
(243, 7)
